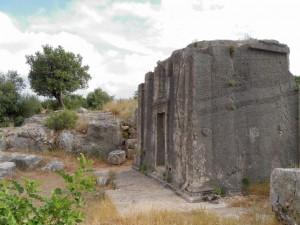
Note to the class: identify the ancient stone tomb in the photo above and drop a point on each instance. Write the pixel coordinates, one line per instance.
(218, 113)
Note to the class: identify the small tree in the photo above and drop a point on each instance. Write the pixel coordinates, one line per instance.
(55, 72)
(97, 98)
(11, 85)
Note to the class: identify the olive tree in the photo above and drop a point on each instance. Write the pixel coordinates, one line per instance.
(55, 72)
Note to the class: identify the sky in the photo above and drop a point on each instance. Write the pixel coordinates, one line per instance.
(121, 40)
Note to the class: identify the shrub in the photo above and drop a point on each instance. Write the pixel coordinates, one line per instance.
(62, 120)
(22, 203)
(221, 191)
(74, 102)
(97, 98)
(29, 105)
(232, 83)
(50, 104)
(231, 51)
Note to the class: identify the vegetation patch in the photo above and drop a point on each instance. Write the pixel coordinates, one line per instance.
(62, 120)
(23, 203)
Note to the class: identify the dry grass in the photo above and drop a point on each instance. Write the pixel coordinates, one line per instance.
(123, 108)
(260, 189)
(82, 125)
(105, 213)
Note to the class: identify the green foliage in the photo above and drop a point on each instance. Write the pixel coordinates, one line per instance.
(221, 191)
(144, 168)
(231, 51)
(245, 185)
(61, 120)
(22, 204)
(55, 72)
(97, 98)
(232, 83)
(11, 85)
(74, 102)
(29, 105)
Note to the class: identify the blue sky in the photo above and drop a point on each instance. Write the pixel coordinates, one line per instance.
(24, 8)
(121, 40)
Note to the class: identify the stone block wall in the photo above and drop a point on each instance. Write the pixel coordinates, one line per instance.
(216, 112)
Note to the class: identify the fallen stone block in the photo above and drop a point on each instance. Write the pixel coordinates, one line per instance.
(24, 161)
(116, 157)
(53, 166)
(7, 168)
(285, 195)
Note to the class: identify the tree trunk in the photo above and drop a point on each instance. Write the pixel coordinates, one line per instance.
(60, 100)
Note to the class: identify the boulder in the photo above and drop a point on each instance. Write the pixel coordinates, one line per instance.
(66, 140)
(6, 169)
(285, 195)
(25, 161)
(116, 157)
(31, 136)
(54, 165)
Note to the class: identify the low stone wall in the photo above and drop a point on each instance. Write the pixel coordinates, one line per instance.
(285, 195)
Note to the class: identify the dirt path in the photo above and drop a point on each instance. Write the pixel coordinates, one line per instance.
(137, 193)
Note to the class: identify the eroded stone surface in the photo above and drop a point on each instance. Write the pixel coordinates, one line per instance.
(285, 195)
(54, 165)
(216, 112)
(101, 135)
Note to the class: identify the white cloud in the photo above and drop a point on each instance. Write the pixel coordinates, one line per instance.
(121, 40)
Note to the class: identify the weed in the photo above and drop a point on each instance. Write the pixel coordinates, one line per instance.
(232, 83)
(231, 51)
(221, 191)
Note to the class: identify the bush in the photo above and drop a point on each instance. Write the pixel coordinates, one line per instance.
(50, 104)
(97, 98)
(22, 204)
(29, 105)
(62, 120)
(74, 102)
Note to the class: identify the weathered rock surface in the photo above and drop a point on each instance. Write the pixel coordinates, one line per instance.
(285, 195)
(54, 165)
(132, 143)
(102, 135)
(116, 157)
(22, 161)
(7, 169)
